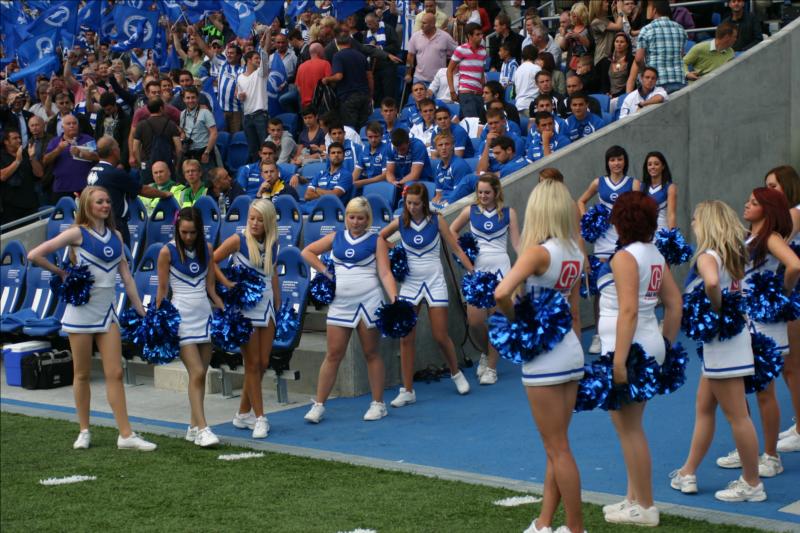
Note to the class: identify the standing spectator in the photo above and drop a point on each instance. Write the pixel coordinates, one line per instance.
(747, 24)
(544, 42)
(525, 88)
(428, 50)
(468, 59)
(199, 130)
(285, 144)
(503, 35)
(384, 71)
(71, 158)
(186, 80)
(44, 106)
(577, 40)
(478, 15)
(353, 81)
(114, 122)
(509, 66)
(226, 88)
(438, 89)
(682, 16)
(288, 99)
(66, 104)
(310, 73)
(430, 8)
(619, 67)
(251, 90)
(604, 29)
(155, 139)
(19, 173)
(708, 56)
(15, 117)
(39, 139)
(193, 56)
(660, 45)
(647, 94)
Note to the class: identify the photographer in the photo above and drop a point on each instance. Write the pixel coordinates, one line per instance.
(199, 130)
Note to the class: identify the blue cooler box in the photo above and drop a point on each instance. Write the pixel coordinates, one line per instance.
(12, 358)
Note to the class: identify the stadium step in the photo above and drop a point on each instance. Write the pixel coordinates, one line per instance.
(315, 319)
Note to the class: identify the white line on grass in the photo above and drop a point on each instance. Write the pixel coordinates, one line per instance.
(238, 456)
(517, 500)
(51, 481)
(359, 530)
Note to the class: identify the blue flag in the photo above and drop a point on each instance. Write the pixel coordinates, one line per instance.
(13, 22)
(275, 81)
(126, 20)
(297, 8)
(344, 8)
(62, 16)
(267, 10)
(134, 40)
(171, 8)
(196, 9)
(240, 16)
(91, 15)
(45, 66)
(37, 47)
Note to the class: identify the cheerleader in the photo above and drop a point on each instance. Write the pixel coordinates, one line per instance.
(361, 266)
(767, 211)
(94, 242)
(183, 270)
(491, 224)
(786, 180)
(421, 233)
(551, 258)
(630, 286)
(719, 265)
(257, 249)
(657, 181)
(608, 188)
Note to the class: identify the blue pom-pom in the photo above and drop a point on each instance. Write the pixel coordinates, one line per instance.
(397, 319)
(478, 288)
(591, 283)
(287, 323)
(158, 334)
(594, 387)
(230, 329)
(469, 245)
(768, 363)
(595, 222)
(249, 288)
(398, 261)
(322, 288)
(764, 298)
(672, 374)
(129, 324)
(76, 288)
(642, 378)
(731, 315)
(673, 246)
(699, 321)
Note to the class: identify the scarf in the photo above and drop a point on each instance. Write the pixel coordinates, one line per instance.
(378, 38)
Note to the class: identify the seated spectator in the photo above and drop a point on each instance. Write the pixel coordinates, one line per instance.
(285, 143)
(544, 141)
(223, 189)
(448, 170)
(494, 92)
(352, 152)
(462, 145)
(390, 119)
(411, 112)
(574, 86)
(748, 27)
(509, 65)
(558, 81)
(199, 129)
(647, 94)
(249, 176)
(525, 88)
(19, 174)
(194, 188)
(332, 117)
(709, 55)
(162, 181)
(71, 156)
(496, 126)
(311, 141)
(591, 78)
(371, 165)
(496, 120)
(545, 104)
(334, 179)
(424, 130)
(407, 160)
(113, 121)
(273, 185)
(545, 44)
(582, 122)
(66, 105)
(438, 89)
(504, 154)
(544, 82)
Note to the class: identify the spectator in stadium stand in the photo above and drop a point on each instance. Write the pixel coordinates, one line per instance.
(44, 106)
(19, 174)
(288, 98)
(544, 82)
(493, 92)
(114, 122)
(543, 103)
(462, 145)
(503, 34)
(334, 179)
(647, 94)
(186, 80)
(249, 176)
(469, 60)
(525, 88)
(284, 142)
(371, 163)
(162, 181)
(438, 90)
(430, 7)
(390, 120)
(272, 184)
(507, 159)
(386, 11)
(619, 68)
(544, 42)
(152, 90)
(311, 141)
(226, 88)
(193, 56)
(222, 188)
(660, 44)
(352, 151)
(199, 129)
(747, 25)
(331, 118)
(145, 136)
(709, 55)
(311, 72)
(544, 141)
(66, 104)
(582, 122)
(577, 39)
(603, 29)
(407, 160)
(428, 50)
(479, 16)
(496, 126)
(574, 86)
(448, 170)
(298, 44)
(594, 81)
(251, 90)
(682, 16)
(194, 188)
(384, 71)
(411, 112)
(39, 139)
(344, 27)
(70, 159)
(15, 116)
(353, 80)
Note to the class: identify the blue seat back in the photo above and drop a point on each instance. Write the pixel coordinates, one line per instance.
(604, 100)
(62, 217)
(210, 212)
(493, 76)
(238, 152)
(137, 224)
(146, 276)
(312, 169)
(381, 214)
(13, 269)
(472, 162)
(289, 122)
(384, 189)
(160, 226)
(39, 298)
(286, 170)
(688, 46)
(290, 221)
(326, 217)
(223, 140)
(476, 143)
(294, 277)
(119, 286)
(455, 109)
(235, 217)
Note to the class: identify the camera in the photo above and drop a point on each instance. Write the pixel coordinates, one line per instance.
(186, 143)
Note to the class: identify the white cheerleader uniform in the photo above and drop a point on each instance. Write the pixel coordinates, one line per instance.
(264, 311)
(491, 233)
(187, 280)
(607, 193)
(102, 254)
(565, 361)
(651, 267)
(729, 358)
(777, 331)
(425, 278)
(358, 286)
(659, 194)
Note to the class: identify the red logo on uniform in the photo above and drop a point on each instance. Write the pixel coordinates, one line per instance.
(736, 285)
(656, 275)
(570, 270)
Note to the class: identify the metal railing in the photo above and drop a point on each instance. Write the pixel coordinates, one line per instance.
(39, 215)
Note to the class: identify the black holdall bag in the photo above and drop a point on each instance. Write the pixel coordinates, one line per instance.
(47, 370)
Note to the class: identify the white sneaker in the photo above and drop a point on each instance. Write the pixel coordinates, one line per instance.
(595, 347)
(314, 415)
(483, 362)
(489, 377)
(376, 411)
(790, 441)
(533, 529)
(730, 461)
(565, 529)
(135, 442)
(404, 398)
(686, 484)
(619, 506)
(461, 382)
(740, 491)
(191, 433)
(83, 441)
(788, 431)
(244, 421)
(261, 428)
(635, 514)
(205, 438)
(769, 466)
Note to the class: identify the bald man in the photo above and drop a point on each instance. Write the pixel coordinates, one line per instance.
(162, 181)
(310, 73)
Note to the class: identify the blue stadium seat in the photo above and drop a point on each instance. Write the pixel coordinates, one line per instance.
(294, 277)
(137, 224)
(476, 143)
(381, 213)
(235, 217)
(160, 226)
(39, 300)
(238, 152)
(286, 170)
(363, 134)
(716, 18)
(13, 268)
(301, 191)
(620, 100)
(290, 221)
(472, 162)
(608, 118)
(327, 216)
(62, 217)
(209, 210)
(688, 46)
(376, 115)
(223, 140)
(492, 76)
(310, 170)
(384, 189)
(289, 122)
(146, 276)
(455, 109)
(603, 100)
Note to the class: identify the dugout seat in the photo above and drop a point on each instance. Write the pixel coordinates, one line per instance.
(381, 213)
(210, 212)
(160, 226)
(146, 276)
(384, 189)
(13, 268)
(62, 217)
(238, 152)
(39, 299)
(235, 218)
(137, 225)
(294, 277)
(290, 221)
(326, 216)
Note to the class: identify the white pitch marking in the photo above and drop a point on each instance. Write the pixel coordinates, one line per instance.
(517, 500)
(359, 530)
(51, 481)
(238, 456)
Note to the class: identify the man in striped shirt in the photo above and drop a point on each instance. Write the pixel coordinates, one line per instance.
(226, 88)
(469, 60)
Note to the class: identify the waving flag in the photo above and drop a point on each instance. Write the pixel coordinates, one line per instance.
(196, 9)
(91, 14)
(127, 19)
(344, 8)
(13, 22)
(277, 78)
(240, 16)
(46, 66)
(267, 10)
(170, 8)
(62, 16)
(297, 8)
(37, 47)
(134, 40)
